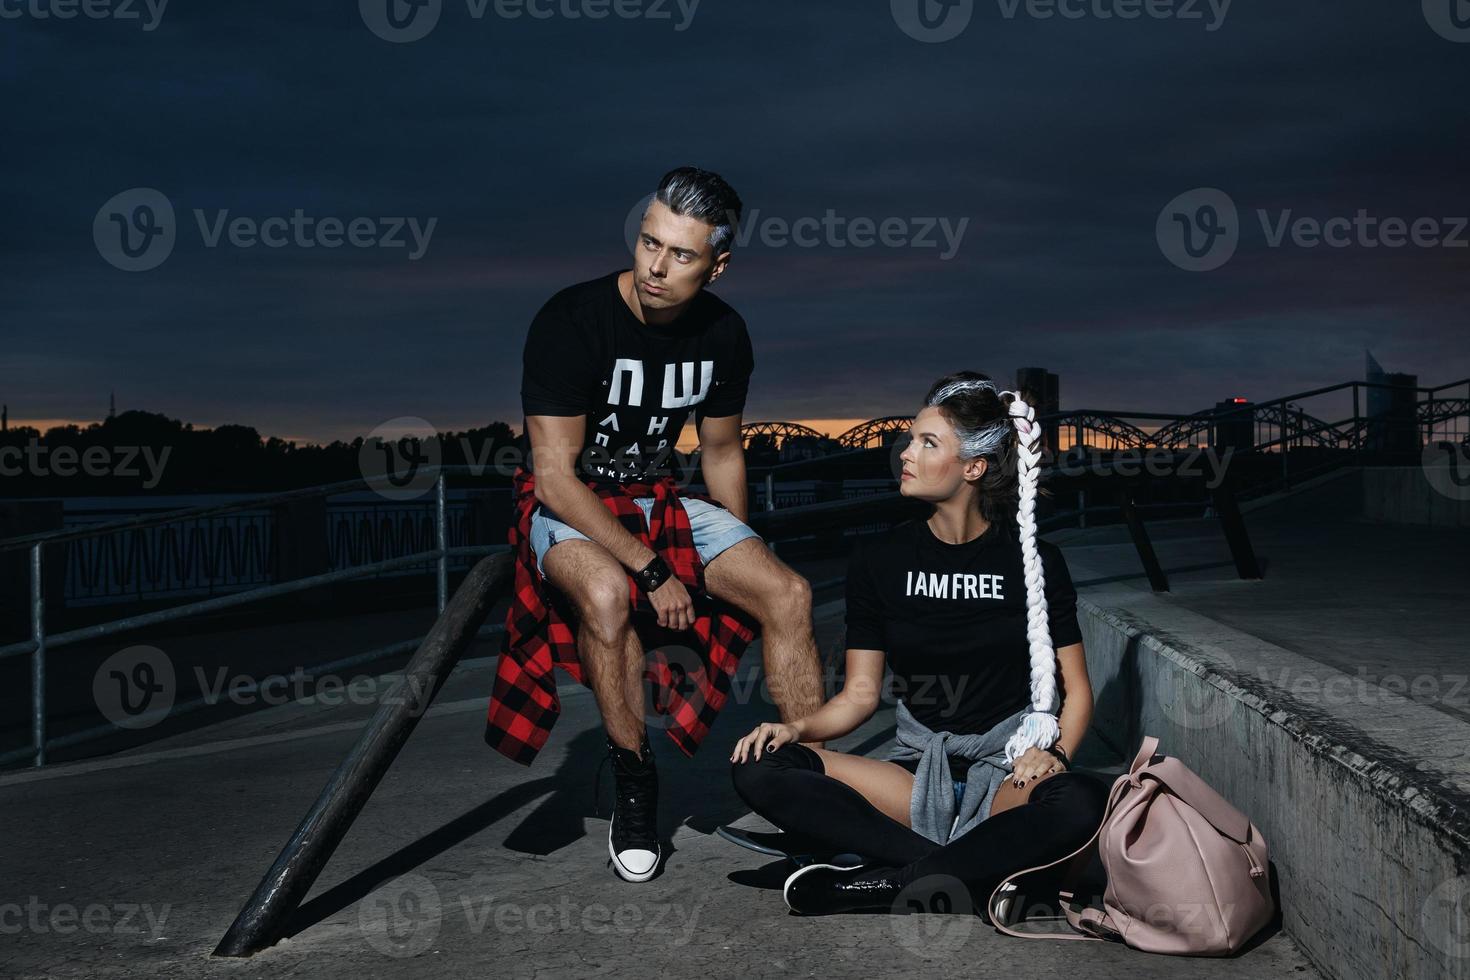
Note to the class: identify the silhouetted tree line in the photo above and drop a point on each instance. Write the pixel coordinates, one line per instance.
(145, 452)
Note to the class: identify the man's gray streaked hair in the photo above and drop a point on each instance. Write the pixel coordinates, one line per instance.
(703, 194)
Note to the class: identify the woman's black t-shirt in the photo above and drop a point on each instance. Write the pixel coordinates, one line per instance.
(951, 620)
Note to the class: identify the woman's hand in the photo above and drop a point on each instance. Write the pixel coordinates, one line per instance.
(766, 736)
(1034, 763)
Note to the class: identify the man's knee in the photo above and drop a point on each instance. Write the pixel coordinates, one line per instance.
(789, 601)
(603, 602)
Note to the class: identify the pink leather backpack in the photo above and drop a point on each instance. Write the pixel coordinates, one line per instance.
(1187, 872)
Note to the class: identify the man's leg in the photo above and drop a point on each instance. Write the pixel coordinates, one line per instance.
(607, 645)
(612, 656)
(749, 576)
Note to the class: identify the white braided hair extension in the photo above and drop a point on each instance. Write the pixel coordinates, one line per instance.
(1039, 726)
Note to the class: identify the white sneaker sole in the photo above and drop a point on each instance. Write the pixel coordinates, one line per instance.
(621, 871)
(786, 888)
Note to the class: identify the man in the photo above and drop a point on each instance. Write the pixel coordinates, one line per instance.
(612, 368)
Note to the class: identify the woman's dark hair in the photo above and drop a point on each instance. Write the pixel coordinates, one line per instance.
(972, 404)
(1000, 426)
(703, 194)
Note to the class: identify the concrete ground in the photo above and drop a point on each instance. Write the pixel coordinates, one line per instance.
(462, 863)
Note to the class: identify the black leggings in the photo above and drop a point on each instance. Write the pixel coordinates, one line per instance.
(791, 788)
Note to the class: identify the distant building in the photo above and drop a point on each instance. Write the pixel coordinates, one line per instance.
(1392, 411)
(1045, 388)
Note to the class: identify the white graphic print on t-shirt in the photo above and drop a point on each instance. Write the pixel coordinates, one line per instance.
(954, 585)
(625, 388)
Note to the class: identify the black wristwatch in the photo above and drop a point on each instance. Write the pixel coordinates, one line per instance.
(654, 574)
(1061, 753)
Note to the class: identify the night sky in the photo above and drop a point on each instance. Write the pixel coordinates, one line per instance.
(1057, 141)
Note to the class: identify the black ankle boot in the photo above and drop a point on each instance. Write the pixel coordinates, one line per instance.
(632, 837)
(822, 889)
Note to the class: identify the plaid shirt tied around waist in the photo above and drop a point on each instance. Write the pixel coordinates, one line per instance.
(689, 670)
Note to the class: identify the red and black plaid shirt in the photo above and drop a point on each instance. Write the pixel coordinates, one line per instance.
(689, 670)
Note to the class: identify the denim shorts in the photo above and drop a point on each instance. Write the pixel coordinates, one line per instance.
(714, 528)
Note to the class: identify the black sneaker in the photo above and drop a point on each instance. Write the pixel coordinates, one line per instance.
(632, 837)
(821, 889)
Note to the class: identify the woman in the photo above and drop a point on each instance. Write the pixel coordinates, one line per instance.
(963, 608)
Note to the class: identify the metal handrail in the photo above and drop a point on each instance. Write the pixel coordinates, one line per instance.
(40, 642)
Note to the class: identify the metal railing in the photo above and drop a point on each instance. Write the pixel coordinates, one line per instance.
(40, 642)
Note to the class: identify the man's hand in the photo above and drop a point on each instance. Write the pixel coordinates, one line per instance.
(672, 603)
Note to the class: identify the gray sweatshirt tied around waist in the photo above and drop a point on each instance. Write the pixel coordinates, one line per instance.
(932, 805)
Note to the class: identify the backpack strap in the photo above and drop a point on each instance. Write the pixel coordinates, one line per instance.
(1089, 921)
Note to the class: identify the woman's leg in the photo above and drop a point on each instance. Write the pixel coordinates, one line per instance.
(792, 788)
(1063, 811)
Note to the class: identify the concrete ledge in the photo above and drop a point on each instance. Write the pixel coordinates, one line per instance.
(1365, 804)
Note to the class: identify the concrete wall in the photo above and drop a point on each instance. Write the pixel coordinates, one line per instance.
(1429, 495)
(1371, 855)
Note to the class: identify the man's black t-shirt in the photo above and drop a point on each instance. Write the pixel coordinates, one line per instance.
(951, 620)
(587, 354)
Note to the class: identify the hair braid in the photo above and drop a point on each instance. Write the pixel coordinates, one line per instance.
(1039, 727)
